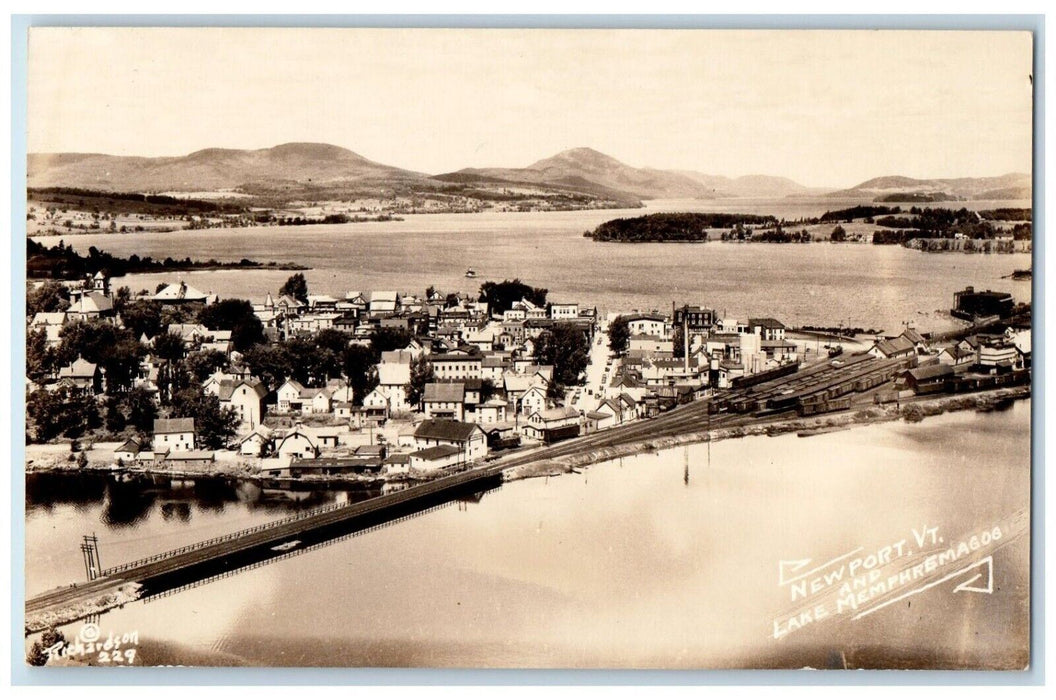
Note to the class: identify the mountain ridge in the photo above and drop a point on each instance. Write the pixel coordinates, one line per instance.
(294, 167)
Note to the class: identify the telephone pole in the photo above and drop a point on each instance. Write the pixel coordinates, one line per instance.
(90, 551)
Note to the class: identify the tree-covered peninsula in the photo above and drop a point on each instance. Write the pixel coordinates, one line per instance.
(677, 227)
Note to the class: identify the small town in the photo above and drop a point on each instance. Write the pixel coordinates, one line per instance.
(395, 387)
(521, 342)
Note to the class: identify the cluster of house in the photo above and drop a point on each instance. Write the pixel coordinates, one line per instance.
(487, 392)
(485, 380)
(978, 355)
(714, 352)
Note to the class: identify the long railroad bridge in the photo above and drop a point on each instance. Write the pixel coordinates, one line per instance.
(740, 406)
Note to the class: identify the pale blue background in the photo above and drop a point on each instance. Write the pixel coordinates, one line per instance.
(23, 675)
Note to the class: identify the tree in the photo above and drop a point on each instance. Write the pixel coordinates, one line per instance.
(115, 417)
(169, 346)
(839, 234)
(388, 339)
(237, 316)
(38, 652)
(619, 335)
(421, 374)
(63, 412)
(213, 425)
(142, 317)
(269, 362)
(679, 341)
(203, 363)
(297, 287)
(122, 297)
(331, 339)
(87, 339)
(47, 298)
(115, 349)
(487, 390)
(360, 368)
(501, 296)
(310, 363)
(140, 409)
(121, 362)
(565, 347)
(40, 359)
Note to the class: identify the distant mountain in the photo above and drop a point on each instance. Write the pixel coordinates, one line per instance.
(585, 167)
(582, 176)
(211, 169)
(752, 185)
(896, 188)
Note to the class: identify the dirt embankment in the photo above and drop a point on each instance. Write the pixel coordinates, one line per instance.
(912, 412)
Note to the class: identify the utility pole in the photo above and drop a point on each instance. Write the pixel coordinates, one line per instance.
(90, 551)
(685, 339)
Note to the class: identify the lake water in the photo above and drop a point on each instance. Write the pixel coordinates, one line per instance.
(660, 560)
(823, 284)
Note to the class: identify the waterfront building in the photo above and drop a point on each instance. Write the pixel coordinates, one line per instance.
(469, 438)
(297, 443)
(174, 434)
(767, 328)
(969, 304)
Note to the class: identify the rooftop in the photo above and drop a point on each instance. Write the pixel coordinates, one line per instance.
(173, 425)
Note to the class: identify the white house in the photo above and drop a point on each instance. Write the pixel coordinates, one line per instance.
(174, 434)
(492, 411)
(456, 365)
(246, 397)
(445, 400)
(564, 311)
(533, 400)
(256, 444)
(469, 438)
(646, 324)
(438, 457)
(297, 443)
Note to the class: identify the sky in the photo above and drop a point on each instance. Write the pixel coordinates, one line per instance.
(825, 108)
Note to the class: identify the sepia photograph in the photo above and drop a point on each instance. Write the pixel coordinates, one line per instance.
(527, 348)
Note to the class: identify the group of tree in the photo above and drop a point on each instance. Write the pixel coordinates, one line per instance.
(838, 235)
(421, 374)
(778, 234)
(62, 413)
(501, 296)
(857, 212)
(49, 297)
(237, 316)
(664, 227)
(63, 262)
(295, 287)
(619, 335)
(566, 347)
(935, 222)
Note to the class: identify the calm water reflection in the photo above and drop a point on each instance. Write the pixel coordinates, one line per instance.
(626, 564)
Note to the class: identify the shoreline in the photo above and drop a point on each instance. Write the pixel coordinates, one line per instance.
(911, 410)
(915, 410)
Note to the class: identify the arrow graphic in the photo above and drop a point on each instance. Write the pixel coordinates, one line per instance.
(786, 568)
(966, 586)
(988, 572)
